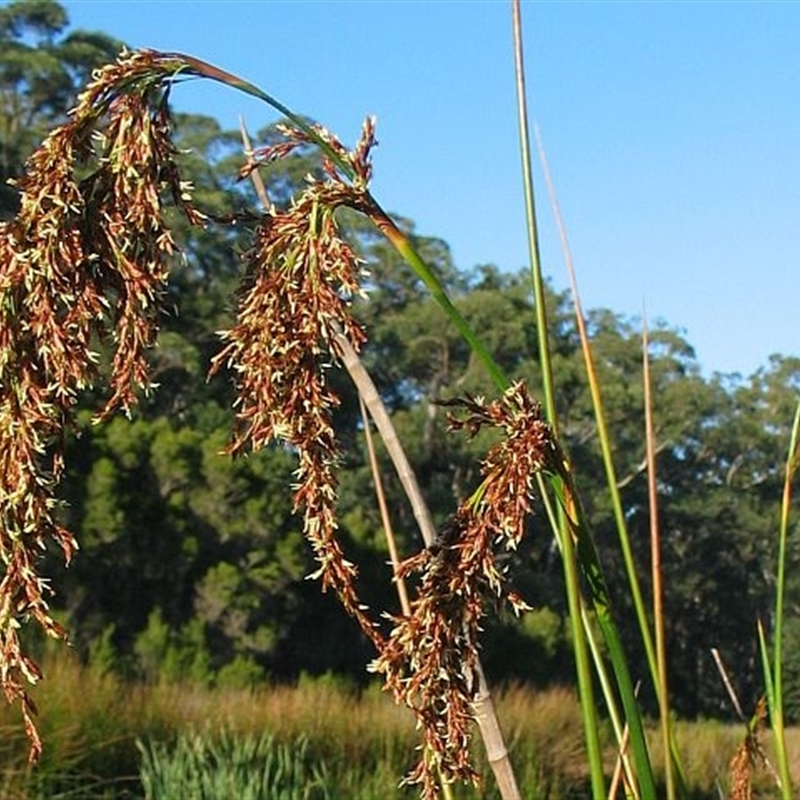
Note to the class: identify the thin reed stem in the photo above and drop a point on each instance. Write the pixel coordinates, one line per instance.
(655, 558)
(600, 418)
(583, 669)
(537, 278)
(726, 682)
(380, 496)
(606, 449)
(776, 707)
(570, 509)
(618, 777)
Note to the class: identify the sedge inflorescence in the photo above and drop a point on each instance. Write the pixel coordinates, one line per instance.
(85, 261)
(430, 660)
(84, 265)
(302, 277)
(292, 309)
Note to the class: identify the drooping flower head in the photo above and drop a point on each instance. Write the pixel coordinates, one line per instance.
(302, 277)
(430, 660)
(84, 261)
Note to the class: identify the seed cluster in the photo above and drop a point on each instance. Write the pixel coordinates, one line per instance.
(83, 267)
(84, 262)
(749, 756)
(430, 660)
(302, 276)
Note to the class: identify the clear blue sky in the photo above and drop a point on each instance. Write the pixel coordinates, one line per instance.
(672, 130)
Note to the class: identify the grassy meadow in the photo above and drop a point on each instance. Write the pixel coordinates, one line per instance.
(106, 738)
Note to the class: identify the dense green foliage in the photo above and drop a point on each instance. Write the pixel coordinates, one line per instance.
(193, 566)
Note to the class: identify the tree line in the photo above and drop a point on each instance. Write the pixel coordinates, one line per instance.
(193, 565)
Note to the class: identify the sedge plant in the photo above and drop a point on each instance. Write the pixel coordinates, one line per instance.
(547, 460)
(749, 753)
(86, 261)
(773, 666)
(583, 558)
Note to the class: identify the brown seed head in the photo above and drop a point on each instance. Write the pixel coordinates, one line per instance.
(430, 658)
(302, 278)
(85, 259)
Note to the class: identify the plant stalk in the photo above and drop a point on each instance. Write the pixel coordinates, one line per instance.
(571, 581)
(608, 461)
(776, 708)
(391, 543)
(655, 559)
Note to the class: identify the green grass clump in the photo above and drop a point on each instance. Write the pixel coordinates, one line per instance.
(245, 767)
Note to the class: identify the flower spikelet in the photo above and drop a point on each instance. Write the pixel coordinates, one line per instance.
(749, 756)
(357, 162)
(85, 260)
(430, 660)
(302, 278)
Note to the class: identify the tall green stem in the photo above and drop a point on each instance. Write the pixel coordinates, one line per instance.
(604, 439)
(588, 560)
(530, 222)
(582, 656)
(776, 710)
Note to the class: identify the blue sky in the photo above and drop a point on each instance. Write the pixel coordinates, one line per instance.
(672, 131)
